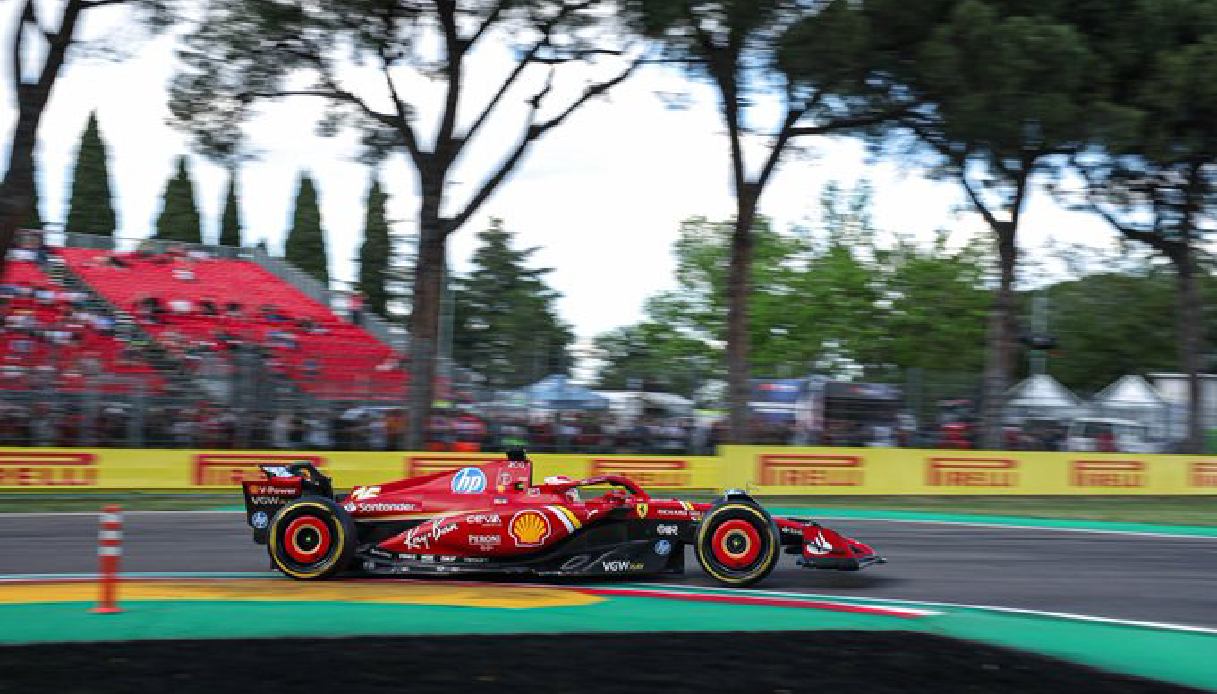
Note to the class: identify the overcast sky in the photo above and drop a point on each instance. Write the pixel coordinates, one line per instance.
(602, 195)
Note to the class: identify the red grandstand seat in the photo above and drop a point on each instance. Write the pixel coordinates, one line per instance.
(340, 353)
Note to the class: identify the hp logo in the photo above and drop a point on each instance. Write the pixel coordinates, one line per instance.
(469, 480)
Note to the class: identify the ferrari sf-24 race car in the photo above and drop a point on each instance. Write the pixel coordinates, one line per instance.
(492, 519)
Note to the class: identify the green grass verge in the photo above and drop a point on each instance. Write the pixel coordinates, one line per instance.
(1176, 656)
(1166, 510)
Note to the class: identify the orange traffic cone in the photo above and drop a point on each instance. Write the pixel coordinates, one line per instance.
(109, 549)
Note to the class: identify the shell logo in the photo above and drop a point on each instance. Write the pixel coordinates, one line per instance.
(529, 528)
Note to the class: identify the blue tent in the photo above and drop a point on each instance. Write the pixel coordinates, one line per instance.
(556, 392)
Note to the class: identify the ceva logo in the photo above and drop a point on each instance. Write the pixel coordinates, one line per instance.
(469, 480)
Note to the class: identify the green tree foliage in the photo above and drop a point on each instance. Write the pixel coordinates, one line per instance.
(179, 218)
(997, 91)
(830, 300)
(656, 357)
(230, 220)
(374, 254)
(506, 326)
(1112, 324)
(90, 207)
(305, 245)
(752, 50)
(1152, 175)
(935, 306)
(243, 51)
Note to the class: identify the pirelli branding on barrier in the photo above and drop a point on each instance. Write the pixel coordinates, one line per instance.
(760, 469)
(34, 468)
(884, 471)
(1203, 474)
(663, 473)
(231, 469)
(810, 470)
(1108, 473)
(971, 472)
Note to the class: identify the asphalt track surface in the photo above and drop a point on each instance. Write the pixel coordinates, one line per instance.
(1121, 576)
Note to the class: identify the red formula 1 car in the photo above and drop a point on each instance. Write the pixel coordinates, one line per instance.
(493, 519)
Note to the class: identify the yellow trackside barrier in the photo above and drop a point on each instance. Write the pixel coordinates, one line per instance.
(765, 470)
(771, 470)
(108, 468)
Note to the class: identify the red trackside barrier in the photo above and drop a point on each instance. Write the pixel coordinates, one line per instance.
(109, 549)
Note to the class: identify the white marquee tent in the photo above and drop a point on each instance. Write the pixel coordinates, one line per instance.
(1041, 397)
(1132, 397)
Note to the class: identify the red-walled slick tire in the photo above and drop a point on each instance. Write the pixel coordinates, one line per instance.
(311, 538)
(737, 543)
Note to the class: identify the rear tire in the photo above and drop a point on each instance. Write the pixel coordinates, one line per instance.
(737, 543)
(311, 538)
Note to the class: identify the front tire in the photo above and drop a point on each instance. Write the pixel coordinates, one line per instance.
(311, 538)
(737, 543)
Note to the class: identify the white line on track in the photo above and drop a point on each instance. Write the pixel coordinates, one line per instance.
(1006, 526)
(666, 590)
(928, 604)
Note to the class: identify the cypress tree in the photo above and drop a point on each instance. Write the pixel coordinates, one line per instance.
(179, 218)
(230, 222)
(90, 208)
(374, 253)
(305, 247)
(505, 322)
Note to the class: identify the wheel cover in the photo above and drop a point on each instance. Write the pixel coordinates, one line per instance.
(736, 544)
(307, 539)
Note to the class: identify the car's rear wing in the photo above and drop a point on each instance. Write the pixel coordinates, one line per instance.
(283, 483)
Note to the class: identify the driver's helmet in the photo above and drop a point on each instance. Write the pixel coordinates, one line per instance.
(572, 494)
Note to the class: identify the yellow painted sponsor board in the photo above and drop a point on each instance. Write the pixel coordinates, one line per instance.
(811, 471)
(101, 468)
(763, 470)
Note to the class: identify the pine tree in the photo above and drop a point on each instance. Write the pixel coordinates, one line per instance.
(374, 253)
(505, 324)
(179, 218)
(305, 247)
(90, 208)
(230, 222)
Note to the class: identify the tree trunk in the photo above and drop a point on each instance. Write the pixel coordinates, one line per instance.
(16, 190)
(738, 289)
(1000, 341)
(1189, 309)
(424, 319)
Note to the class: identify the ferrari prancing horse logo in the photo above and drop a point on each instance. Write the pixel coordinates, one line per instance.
(642, 510)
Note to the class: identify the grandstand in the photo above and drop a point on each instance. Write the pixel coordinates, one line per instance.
(55, 337)
(114, 341)
(195, 304)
